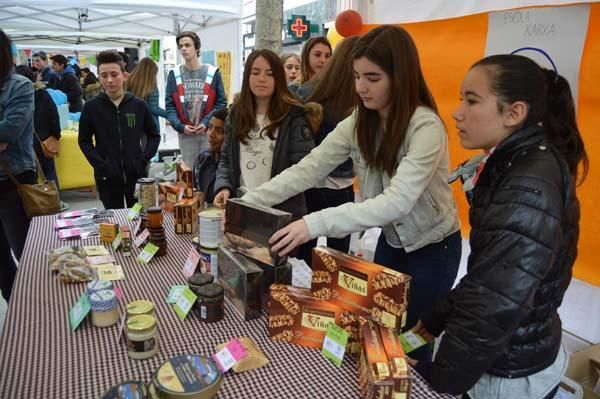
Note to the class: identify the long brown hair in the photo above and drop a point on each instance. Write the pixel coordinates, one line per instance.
(393, 50)
(306, 73)
(336, 84)
(142, 81)
(279, 106)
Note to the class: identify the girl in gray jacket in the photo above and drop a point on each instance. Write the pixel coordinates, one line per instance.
(399, 148)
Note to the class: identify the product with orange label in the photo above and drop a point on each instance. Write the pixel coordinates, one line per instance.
(169, 194)
(362, 287)
(295, 316)
(374, 374)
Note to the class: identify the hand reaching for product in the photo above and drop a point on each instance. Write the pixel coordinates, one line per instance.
(422, 331)
(221, 198)
(289, 237)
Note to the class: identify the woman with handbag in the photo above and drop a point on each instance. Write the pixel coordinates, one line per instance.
(16, 159)
(46, 125)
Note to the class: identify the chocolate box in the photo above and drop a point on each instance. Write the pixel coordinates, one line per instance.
(296, 316)
(186, 214)
(397, 361)
(242, 281)
(374, 374)
(169, 194)
(362, 287)
(248, 229)
(274, 275)
(185, 176)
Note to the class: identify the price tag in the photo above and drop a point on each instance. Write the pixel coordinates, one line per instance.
(116, 242)
(334, 343)
(147, 253)
(79, 311)
(134, 212)
(175, 293)
(141, 238)
(227, 357)
(99, 260)
(110, 272)
(411, 341)
(137, 226)
(95, 250)
(184, 303)
(191, 263)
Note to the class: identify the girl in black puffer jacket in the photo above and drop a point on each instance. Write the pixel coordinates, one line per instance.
(502, 329)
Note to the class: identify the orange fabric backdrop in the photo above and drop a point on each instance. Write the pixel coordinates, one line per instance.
(449, 47)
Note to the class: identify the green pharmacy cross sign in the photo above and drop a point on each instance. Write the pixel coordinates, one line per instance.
(299, 27)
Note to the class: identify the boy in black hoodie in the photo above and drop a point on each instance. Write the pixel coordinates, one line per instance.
(117, 121)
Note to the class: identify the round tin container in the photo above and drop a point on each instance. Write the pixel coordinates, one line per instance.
(211, 234)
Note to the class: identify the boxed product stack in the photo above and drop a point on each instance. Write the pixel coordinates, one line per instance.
(186, 214)
(169, 194)
(365, 288)
(382, 370)
(185, 177)
(246, 251)
(296, 316)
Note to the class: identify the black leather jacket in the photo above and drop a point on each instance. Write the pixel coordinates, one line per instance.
(502, 317)
(294, 141)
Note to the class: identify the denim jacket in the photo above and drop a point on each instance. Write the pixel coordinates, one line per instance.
(416, 201)
(16, 125)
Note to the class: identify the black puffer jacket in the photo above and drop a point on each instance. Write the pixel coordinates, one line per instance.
(502, 317)
(294, 141)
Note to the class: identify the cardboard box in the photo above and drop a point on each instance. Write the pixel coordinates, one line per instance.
(374, 374)
(584, 368)
(169, 194)
(397, 361)
(186, 214)
(248, 229)
(362, 287)
(242, 281)
(274, 275)
(185, 176)
(296, 316)
(108, 232)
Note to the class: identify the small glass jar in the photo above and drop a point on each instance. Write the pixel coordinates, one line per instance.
(147, 192)
(154, 217)
(210, 303)
(142, 339)
(197, 280)
(105, 308)
(99, 285)
(139, 307)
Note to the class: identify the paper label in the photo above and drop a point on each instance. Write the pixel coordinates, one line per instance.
(110, 272)
(79, 311)
(134, 212)
(184, 303)
(411, 341)
(95, 250)
(175, 293)
(334, 344)
(99, 260)
(61, 224)
(141, 238)
(148, 253)
(227, 357)
(68, 233)
(137, 226)
(191, 263)
(116, 242)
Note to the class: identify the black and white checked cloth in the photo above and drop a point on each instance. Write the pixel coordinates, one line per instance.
(40, 357)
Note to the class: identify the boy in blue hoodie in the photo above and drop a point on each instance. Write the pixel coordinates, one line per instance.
(67, 82)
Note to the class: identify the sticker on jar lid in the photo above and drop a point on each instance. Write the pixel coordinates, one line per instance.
(189, 374)
(141, 322)
(141, 306)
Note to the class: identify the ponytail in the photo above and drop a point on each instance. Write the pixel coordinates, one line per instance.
(561, 125)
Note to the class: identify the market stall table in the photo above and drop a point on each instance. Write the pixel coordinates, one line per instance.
(40, 357)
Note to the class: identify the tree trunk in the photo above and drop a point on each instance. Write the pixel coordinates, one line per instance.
(269, 22)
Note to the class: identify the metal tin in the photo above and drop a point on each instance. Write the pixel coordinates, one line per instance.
(211, 234)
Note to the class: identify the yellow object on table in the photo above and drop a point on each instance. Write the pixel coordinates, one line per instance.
(72, 167)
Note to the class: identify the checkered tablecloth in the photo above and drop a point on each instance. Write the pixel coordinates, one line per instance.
(40, 357)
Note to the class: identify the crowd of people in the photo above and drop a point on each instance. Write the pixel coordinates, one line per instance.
(303, 129)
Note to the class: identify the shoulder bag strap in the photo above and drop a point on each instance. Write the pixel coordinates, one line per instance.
(6, 169)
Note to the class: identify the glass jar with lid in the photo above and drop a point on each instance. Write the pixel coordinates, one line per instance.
(105, 308)
(142, 337)
(210, 303)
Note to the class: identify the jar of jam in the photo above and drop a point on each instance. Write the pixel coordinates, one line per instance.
(105, 308)
(154, 217)
(210, 303)
(197, 280)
